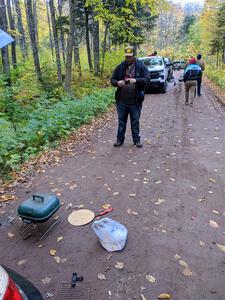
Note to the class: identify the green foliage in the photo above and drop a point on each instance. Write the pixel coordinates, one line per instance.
(45, 124)
(216, 75)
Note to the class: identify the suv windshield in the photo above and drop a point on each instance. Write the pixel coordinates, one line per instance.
(151, 62)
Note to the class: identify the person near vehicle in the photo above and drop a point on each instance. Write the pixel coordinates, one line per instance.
(130, 78)
(191, 74)
(201, 63)
(153, 53)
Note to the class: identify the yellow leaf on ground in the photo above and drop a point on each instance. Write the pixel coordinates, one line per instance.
(213, 224)
(150, 278)
(4, 198)
(143, 297)
(215, 212)
(164, 296)
(60, 238)
(221, 247)
(52, 252)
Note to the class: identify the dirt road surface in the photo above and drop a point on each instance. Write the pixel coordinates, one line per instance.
(175, 219)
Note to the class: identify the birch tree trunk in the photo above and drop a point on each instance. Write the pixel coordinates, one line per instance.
(31, 26)
(22, 39)
(69, 51)
(12, 27)
(4, 50)
(56, 41)
(96, 43)
(88, 39)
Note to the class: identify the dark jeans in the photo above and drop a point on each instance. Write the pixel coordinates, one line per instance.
(199, 83)
(135, 112)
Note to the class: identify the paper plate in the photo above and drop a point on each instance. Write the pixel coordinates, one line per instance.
(81, 217)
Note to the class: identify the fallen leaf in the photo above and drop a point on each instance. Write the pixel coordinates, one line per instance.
(134, 213)
(143, 297)
(202, 243)
(132, 195)
(172, 179)
(129, 211)
(40, 246)
(4, 198)
(46, 280)
(160, 200)
(177, 256)
(60, 238)
(119, 265)
(101, 276)
(21, 262)
(216, 212)
(187, 272)
(212, 180)
(164, 296)
(158, 182)
(116, 193)
(183, 263)
(57, 259)
(52, 252)
(213, 224)
(193, 187)
(150, 278)
(221, 247)
(10, 234)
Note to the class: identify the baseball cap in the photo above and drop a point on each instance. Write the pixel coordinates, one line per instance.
(129, 51)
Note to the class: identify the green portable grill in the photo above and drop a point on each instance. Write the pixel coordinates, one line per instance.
(38, 209)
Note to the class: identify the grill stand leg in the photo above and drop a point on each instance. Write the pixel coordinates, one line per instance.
(49, 228)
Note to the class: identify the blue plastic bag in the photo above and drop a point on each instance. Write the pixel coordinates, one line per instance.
(112, 235)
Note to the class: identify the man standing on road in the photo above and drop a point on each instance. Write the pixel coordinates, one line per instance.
(130, 78)
(192, 73)
(201, 64)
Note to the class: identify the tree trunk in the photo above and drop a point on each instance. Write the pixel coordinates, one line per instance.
(31, 26)
(69, 51)
(77, 55)
(4, 50)
(12, 27)
(35, 20)
(96, 43)
(22, 39)
(88, 40)
(62, 40)
(50, 30)
(56, 41)
(104, 46)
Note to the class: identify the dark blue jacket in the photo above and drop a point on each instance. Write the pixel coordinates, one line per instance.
(142, 77)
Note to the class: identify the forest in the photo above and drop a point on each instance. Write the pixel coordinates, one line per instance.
(55, 75)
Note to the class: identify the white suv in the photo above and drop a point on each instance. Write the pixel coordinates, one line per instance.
(158, 70)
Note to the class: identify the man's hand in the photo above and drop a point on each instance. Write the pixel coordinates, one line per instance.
(132, 80)
(120, 83)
